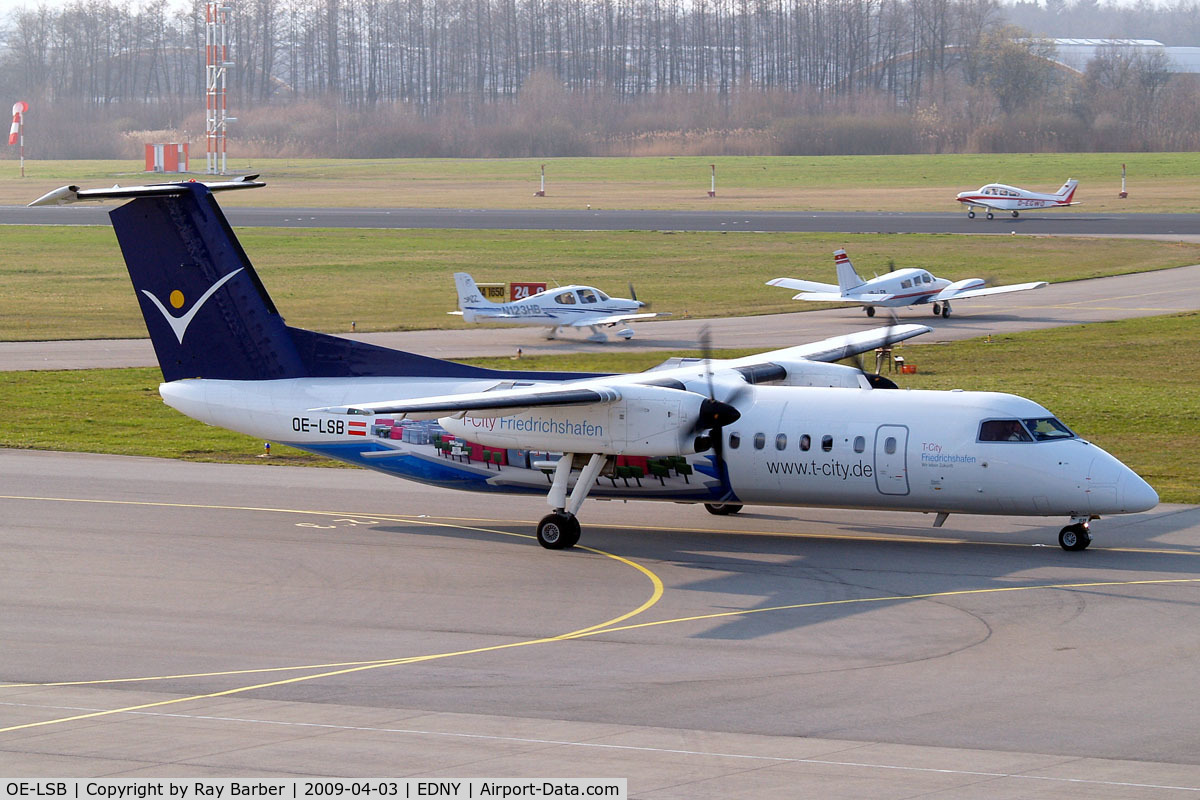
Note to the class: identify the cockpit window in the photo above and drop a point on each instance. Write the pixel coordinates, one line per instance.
(1048, 428)
(587, 296)
(1003, 430)
(603, 297)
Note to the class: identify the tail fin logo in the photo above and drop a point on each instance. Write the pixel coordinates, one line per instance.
(180, 324)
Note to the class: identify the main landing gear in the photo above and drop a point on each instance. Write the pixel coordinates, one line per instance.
(870, 311)
(598, 336)
(722, 509)
(943, 309)
(1075, 536)
(560, 528)
(1016, 214)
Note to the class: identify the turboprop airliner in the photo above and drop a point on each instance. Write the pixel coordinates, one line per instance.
(783, 428)
(554, 309)
(1014, 199)
(902, 287)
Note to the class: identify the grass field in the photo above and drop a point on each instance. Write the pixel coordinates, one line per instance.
(1158, 182)
(1129, 386)
(71, 283)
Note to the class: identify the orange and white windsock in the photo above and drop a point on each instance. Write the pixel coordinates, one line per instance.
(19, 109)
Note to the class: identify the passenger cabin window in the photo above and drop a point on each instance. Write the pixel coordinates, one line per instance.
(566, 298)
(1004, 430)
(1048, 428)
(760, 440)
(860, 444)
(587, 296)
(826, 443)
(805, 442)
(905, 284)
(781, 441)
(734, 441)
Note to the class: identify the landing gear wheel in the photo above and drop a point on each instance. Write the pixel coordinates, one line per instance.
(970, 215)
(946, 311)
(1016, 214)
(1074, 537)
(937, 309)
(990, 215)
(870, 311)
(558, 531)
(722, 509)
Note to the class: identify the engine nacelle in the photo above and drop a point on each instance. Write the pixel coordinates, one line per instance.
(819, 373)
(645, 421)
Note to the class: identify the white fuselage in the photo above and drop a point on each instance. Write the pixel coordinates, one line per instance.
(1002, 197)
(903, 287)
(568, 306)
(792, 446)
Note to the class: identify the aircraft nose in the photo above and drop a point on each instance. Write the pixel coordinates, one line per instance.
(1135, 493)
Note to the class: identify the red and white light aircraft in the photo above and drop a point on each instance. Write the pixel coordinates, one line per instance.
(1002, 197)
(784, 428)
(902, 287)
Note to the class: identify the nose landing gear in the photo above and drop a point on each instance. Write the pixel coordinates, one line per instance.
(1075, 536)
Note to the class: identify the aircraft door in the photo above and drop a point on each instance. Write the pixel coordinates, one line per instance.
(891, 459)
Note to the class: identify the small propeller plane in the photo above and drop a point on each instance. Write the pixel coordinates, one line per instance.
(783, 428)
(1002, 197)
(902, 287)
(564, 307)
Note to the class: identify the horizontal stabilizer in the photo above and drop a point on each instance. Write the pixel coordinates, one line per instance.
(73, 194)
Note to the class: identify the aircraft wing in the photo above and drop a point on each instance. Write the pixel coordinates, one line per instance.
(805, 286)
(505, 401)
(615, 319)
(838, 297)
(838, 347)
(950, 294)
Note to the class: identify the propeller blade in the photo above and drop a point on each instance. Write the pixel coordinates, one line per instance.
(632, 293)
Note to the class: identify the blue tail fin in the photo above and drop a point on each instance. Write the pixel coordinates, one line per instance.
(209, 315)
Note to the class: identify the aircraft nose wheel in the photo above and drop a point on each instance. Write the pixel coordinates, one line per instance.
(990, 215)
(558, 531)
(1074, 537)
(1016, 214)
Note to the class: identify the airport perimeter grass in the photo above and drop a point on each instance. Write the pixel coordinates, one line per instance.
(1158, 182)
(1129, 386)
(71, 282)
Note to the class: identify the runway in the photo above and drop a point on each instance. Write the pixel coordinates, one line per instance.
(178, 619)
(1075, 223)
(1077, 302)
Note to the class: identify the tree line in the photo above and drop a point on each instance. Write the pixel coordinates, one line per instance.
(558, 77)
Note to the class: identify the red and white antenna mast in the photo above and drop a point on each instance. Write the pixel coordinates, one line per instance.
(216, 57)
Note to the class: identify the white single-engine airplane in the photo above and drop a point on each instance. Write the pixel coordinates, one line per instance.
(902, 287)
(784, 428)
(564, 307)
(1002, 197)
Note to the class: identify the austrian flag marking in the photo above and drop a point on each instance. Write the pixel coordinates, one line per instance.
(356, 428)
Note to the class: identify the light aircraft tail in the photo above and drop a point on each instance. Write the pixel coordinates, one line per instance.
(470, 299)
(847, 277)
(209, 315)
(1067, 192)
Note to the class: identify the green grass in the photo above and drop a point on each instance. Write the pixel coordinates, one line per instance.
(71, 282)
(1129, 386)
(1157, 181)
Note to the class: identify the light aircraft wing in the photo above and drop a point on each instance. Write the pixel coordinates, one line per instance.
(805, 286)
(838, 297)
(615, 319)
(950, 294)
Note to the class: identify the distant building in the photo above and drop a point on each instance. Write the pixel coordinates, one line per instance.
(1076, 53)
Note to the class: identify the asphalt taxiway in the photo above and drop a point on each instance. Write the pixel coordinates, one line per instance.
(177, 619)
(1073, 223)
(1101, 299)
